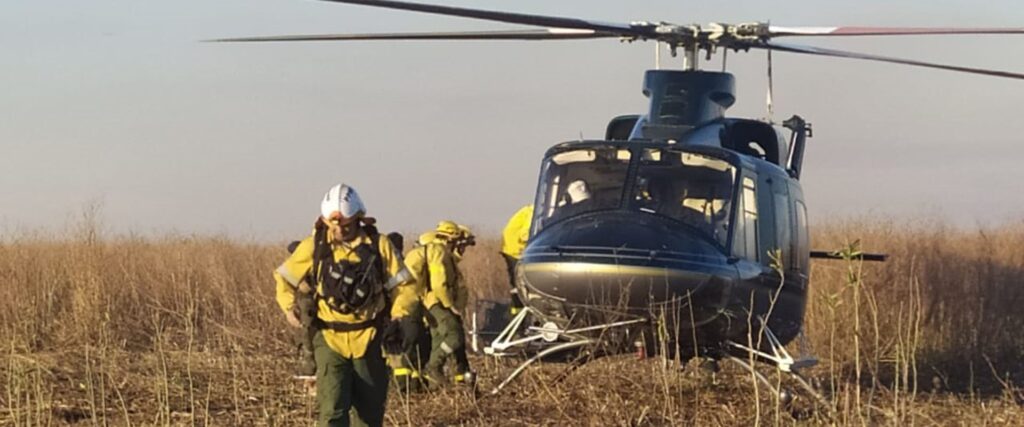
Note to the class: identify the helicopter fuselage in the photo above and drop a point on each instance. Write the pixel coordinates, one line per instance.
(704, 234)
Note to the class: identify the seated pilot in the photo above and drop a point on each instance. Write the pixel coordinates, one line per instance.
(579, 199)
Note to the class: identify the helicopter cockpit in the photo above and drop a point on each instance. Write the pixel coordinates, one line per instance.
(596, 175)
(692, 188)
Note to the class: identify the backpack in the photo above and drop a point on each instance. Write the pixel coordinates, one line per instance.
(348, 287)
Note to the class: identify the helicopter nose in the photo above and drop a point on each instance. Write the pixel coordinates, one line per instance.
(616, 259)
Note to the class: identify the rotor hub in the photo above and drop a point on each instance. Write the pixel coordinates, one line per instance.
(694, 38)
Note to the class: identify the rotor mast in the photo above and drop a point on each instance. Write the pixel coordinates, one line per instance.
(690, 55)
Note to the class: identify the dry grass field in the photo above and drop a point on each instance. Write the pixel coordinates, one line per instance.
(183, 330)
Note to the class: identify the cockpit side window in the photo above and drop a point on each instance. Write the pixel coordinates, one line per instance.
(579, 181)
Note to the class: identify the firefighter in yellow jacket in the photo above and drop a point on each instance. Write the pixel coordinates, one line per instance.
(357, 276)
(513, 241)
(433, 266)
(464, 241)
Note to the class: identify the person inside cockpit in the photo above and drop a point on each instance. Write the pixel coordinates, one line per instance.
(578, 199)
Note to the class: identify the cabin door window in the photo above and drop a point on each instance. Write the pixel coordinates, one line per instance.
(783, 226)
(802, 238)
(745, 239)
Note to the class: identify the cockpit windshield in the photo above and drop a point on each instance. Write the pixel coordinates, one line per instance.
(579, 181)
(691, 188)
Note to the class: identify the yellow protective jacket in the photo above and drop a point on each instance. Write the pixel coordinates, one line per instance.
(517, 232)
(351, 344)
(433, 268)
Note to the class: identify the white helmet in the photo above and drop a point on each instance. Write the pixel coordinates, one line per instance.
(578, 191)
(342, 199)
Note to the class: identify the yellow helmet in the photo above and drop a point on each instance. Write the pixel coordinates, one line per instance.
(447, 229)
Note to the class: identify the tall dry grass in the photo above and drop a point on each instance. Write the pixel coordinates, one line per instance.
(183, 330)
(953, 296)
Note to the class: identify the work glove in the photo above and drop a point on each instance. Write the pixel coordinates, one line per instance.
(411, 330)
(401, 335)
(392, 338)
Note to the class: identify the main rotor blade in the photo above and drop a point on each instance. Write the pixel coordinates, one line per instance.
(774, 31)
(539, 34)
(844, 54)
(507, 17)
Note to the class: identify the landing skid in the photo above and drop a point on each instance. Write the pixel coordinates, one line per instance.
(778, 356)
(549, 337)
(784, 362)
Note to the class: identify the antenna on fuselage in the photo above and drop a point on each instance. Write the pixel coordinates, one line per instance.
(768, 99)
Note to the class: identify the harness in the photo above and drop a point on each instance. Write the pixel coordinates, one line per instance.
(426, 268)
(348, 287)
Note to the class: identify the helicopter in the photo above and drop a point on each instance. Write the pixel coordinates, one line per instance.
(683, 228)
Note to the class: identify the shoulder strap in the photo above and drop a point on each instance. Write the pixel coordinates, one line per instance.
(426, 267)
(375, 237)
(321, 250)
(378, 264)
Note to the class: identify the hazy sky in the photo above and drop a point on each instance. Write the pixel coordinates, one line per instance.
(116, 101)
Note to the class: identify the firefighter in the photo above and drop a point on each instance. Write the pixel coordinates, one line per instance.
(356, 276)
(464, 240)
(433, 266)
(304, 308)
(513, 240)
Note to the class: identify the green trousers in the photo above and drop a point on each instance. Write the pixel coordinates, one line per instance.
(305, 307)
(406, 366)
(447, 340)
(415, 355)
(510, 265)
(344, 384)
